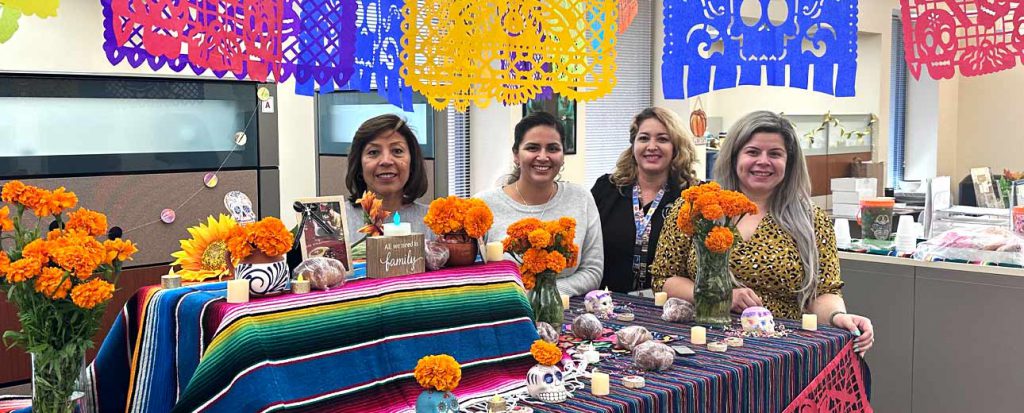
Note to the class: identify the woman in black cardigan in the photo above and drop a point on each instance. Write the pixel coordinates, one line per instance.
(647, 179)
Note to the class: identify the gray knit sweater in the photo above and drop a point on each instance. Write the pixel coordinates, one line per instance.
(571, 201)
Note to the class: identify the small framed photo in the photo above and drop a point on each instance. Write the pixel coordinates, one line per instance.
(314, 241)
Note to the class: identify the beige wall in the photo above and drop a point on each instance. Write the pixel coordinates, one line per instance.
(72, 42)
(990, 119)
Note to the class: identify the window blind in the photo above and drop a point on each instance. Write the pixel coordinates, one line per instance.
(458, 152)
(608, 118)
(897, 104)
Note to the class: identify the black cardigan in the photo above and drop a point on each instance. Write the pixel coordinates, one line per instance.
(615, 206)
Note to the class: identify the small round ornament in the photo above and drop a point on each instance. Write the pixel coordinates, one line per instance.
(210, 180)
(240, 138)
(167, 216)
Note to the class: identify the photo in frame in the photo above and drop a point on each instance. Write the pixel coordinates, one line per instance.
(315, 242)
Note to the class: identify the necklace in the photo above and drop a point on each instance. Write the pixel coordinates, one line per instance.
(547, 203)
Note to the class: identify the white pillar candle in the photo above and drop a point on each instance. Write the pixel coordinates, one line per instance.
(397, 227)
(171, 280)
(698, 335)
(495, 252)
(599, 384)
(660, 298)
(565, 301)
(300, 285)
(238, 291)
(810, 322)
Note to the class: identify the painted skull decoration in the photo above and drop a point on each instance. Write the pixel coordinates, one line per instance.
(599, 303)
(757, 319)
(546, 384)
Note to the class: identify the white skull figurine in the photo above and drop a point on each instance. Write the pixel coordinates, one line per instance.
(758, 319)
(545, 383)
(599, 303)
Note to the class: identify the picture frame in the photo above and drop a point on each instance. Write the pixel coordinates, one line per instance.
(314, 242)
(564, 109)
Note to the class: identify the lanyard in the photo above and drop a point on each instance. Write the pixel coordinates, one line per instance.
(643, 235)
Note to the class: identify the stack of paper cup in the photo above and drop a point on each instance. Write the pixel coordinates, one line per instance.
(906, 235)
(842, 233)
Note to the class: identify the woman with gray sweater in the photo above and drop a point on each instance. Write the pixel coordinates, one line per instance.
(532, 191)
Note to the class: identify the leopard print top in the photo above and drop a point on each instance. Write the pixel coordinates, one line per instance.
(768, 262)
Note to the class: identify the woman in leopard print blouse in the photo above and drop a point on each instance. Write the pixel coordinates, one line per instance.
(787, 259)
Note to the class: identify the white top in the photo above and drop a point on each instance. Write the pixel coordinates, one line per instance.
(572, 201)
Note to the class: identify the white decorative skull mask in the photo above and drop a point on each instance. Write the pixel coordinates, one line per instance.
(599, 303)
(546, 384)
(758, 319)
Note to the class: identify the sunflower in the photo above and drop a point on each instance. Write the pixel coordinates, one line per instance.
(203, 256)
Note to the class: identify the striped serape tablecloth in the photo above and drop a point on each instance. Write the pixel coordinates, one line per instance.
(348, 349)
(805, 371)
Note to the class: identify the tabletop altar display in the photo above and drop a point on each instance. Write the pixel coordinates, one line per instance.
(438, 375)
(543, 249)
(203, 256)
(709, 215)
(599, 303)
(60, 281)
(545, 381)
(460, 224)
(259, 248)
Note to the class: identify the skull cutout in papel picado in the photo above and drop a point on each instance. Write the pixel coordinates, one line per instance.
(721, 44)
(546, 384)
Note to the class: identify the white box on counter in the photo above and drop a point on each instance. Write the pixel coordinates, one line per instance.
(854, 184)
(852, 197)
(845, 210)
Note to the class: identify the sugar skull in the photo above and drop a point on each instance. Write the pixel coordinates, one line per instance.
(764, 40)
(437, 402)
(599, 303)
(546, 384)
(758, 319)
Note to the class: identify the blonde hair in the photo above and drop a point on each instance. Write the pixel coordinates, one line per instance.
(684, 153)
(790, 202)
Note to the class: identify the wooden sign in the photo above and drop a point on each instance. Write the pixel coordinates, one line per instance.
(394, 256)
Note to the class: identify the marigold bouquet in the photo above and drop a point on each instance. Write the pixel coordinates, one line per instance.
(709, 215)
(546, 353)
(268, 236)
(455, 219)
(61, 282)
(543, 248)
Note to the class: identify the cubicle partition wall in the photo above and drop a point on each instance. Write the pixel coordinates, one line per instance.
(131, 147)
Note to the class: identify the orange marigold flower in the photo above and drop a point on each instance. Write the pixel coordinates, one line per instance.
(529, 281)
(54, 202)
(53, 283)
(238, 243)
(90, 222)
(440, 372)
(31, 197)
(684, 220)
(78, 259)
(535, 261)
(38, 249)
(556, 261)
(692, 193)
(712, 212)
(573, 255)
(5, 264)
(523, 227)
(545, 353)
(23, 269)
(478, 218)
(118, 249)
(444, 215)
(6, 224)
(12, 191)
(719, 239)
(92, 293)
(540, 238)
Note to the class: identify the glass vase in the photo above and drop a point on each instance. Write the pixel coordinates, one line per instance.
(56, 380)
(713, 291)
(546, 301)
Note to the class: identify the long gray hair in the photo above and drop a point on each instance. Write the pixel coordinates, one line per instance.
(790, 202)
